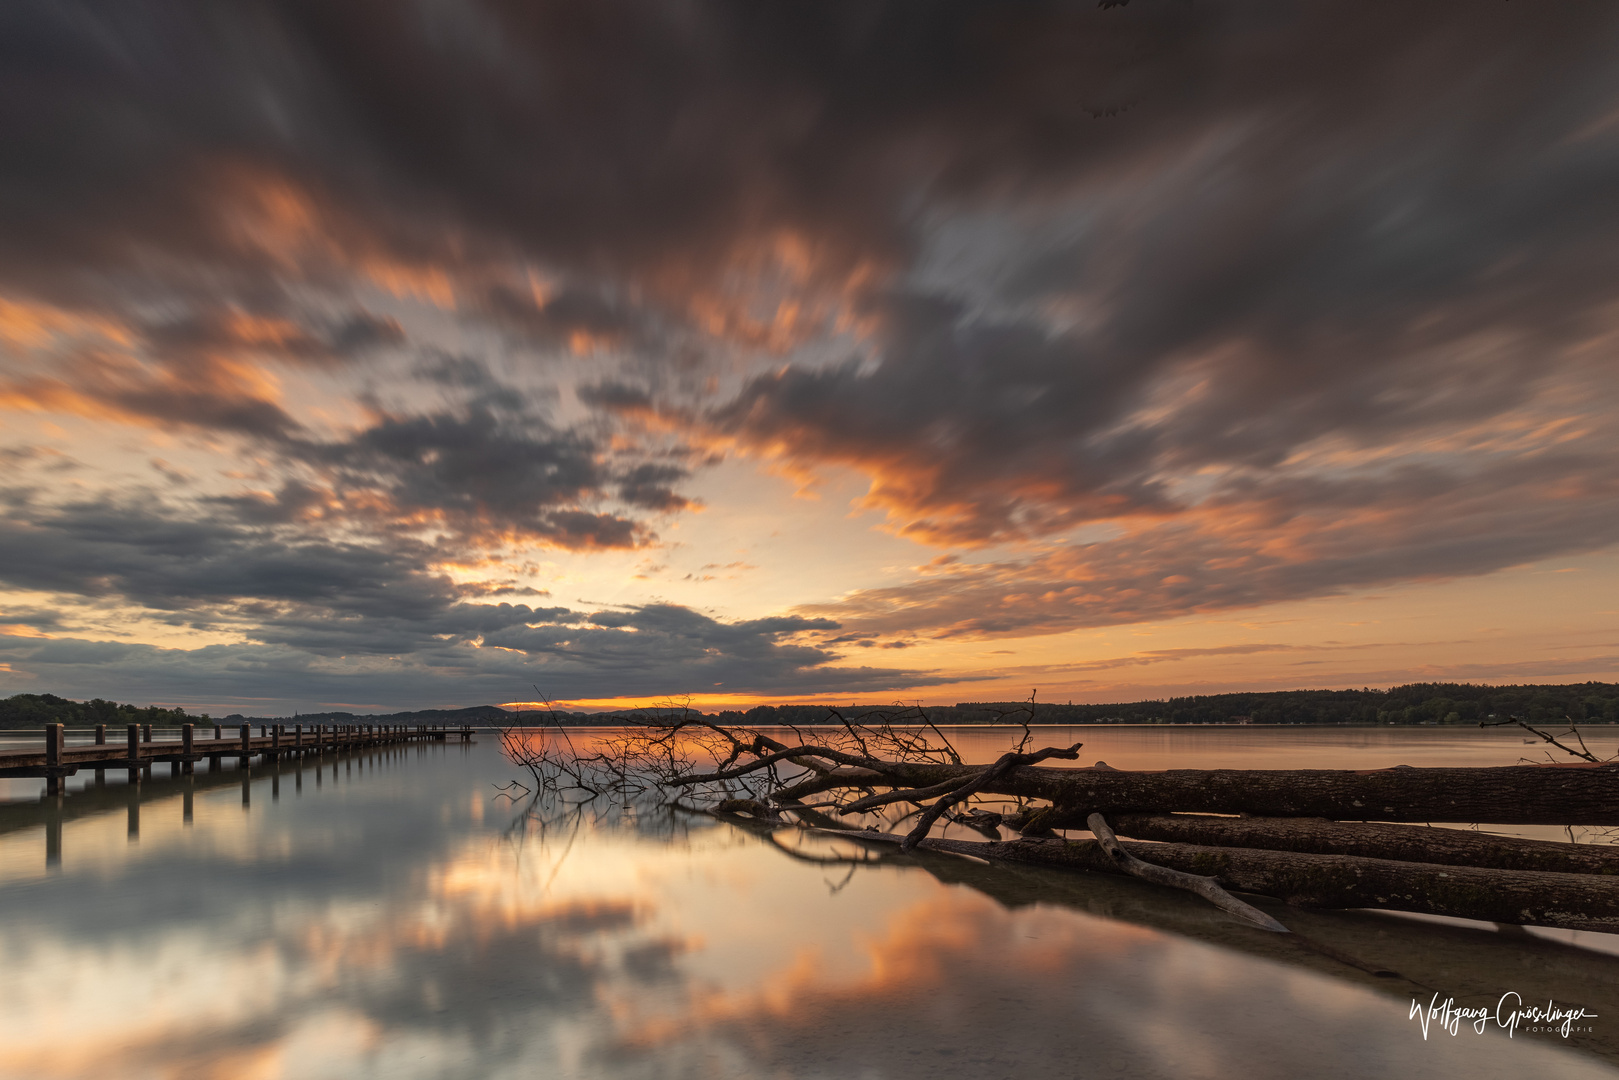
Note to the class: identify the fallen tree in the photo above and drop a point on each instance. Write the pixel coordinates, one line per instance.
(1570, 901)
(1409, 843)
(1312, 837)
(1574, 794)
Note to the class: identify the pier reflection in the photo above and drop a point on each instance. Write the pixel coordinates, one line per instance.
(53, 810)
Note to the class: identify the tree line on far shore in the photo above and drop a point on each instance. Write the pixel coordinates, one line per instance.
(1415, 704)
(37, 710)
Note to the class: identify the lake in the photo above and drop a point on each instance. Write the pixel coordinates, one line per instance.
(393, 914)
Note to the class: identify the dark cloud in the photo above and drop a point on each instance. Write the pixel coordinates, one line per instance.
(473, 379)
(152, 555)
(1360, 273)
(469, 652)
(578, 318)
(632, 126)
(616, 396)
(329, 341)
(485, 467)
(478, 471)
(203, 371)
(648, 486)
(333, 621)
(628, 137)
(663, 648)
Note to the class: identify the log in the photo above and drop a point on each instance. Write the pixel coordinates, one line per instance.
(1570, 901)
(1578, 794)
(1407, 843)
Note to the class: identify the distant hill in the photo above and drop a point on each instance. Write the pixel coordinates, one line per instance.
(481, 715)
(1418, 703)
(37, 710)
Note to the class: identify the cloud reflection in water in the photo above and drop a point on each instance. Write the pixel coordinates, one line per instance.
(384, 928)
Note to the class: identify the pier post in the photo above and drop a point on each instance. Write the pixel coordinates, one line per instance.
(298, 736)
(188, 747)
(55, 740)
(135, 763)
(247, 750)
(217, 731)
(101, 734)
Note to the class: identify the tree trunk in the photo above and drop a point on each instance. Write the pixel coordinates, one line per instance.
(1511, 795)
(1573, 901)
(1406, 843)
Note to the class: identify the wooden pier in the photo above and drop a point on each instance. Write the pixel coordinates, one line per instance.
(139, 751)
(339, 760)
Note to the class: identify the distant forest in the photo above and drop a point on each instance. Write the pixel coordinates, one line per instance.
(37, 710)
(1418, 703)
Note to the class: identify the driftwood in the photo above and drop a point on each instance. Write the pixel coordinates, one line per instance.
(1410, 843)
(1571, 901)
(1206, 887)
(1287, 849)
(1510, 795)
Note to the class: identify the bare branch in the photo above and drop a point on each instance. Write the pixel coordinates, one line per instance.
(1206, 887)
(1584, 752)
(1006, 763)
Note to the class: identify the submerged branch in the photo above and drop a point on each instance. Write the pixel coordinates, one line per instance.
(1206, 887)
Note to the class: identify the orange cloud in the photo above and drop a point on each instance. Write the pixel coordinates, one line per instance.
(774, 290)
(31, 325)
(304, 235)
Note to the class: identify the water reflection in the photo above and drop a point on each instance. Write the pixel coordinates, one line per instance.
(386, 916)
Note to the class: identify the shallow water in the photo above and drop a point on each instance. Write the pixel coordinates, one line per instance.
(389, 915)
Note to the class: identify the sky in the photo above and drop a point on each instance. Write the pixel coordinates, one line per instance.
(431, 353)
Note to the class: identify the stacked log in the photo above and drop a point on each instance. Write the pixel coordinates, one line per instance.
(1526, 897)
(1510, 795)
(1319, 838)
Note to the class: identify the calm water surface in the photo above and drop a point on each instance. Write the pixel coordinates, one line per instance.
(390, 915)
